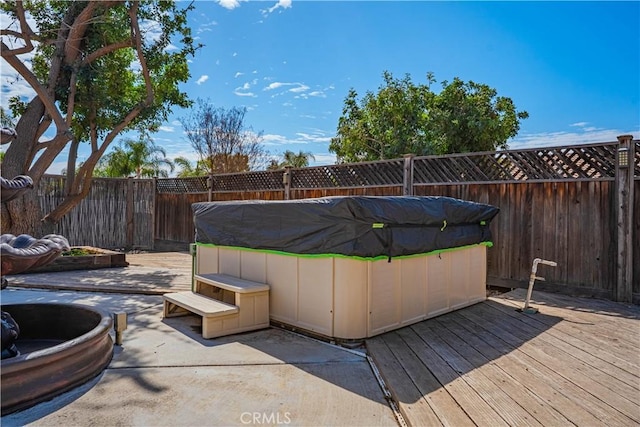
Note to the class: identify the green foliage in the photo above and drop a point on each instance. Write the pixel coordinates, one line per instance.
(5, 119)
(99, 68)
(289, 158)
(403, 117)
(131, 158)
(186, 169)
(80, 252)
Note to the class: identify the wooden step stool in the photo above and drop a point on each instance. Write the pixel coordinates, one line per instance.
(228, 305)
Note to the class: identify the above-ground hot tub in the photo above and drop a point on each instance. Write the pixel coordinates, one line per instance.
(348, 268)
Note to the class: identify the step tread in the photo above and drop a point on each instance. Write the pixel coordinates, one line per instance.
(200, 304)
(231, 283)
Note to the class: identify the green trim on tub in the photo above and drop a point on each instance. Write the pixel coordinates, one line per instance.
(377, 258)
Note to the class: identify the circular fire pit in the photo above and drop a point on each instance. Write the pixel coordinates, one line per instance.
(61, 346)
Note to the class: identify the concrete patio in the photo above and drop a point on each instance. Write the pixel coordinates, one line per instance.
(166, 374)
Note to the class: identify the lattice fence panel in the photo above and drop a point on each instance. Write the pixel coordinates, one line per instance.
(249, 181)
(574, 162)
(182, 185)
(388, 172)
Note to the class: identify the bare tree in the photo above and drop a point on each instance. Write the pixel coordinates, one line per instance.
(221, 139)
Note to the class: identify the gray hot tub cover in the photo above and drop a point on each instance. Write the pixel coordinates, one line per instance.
(360, 226)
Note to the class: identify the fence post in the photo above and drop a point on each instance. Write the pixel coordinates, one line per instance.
(407, 187)
(154, 203)
(210, 186)
(625, 158)
(129, 213)
(286, 180)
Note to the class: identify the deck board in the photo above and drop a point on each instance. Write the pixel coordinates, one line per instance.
(576, 362)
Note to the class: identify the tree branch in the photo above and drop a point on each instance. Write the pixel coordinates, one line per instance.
(26, 33)
(106, 50)
(77, 31)
(135, 33)
(42, 93)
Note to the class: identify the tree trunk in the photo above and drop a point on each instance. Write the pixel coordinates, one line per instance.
(71, 166)
(23, 215)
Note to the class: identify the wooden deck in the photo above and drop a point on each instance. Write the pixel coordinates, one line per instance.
(576, 362)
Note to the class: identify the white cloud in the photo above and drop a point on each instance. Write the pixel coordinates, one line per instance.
(579, 124)
(202, 79)
(244, 90)
(284, 4)
(275, 85)
(271, 139)
(166, 129)
(151, 30)
(206, 27)
(240, 91)
(301, 138)
(229, 4)
(234, 54)
(583, 136)
(313, 138)
(318, 94)
(300, 88)
(323, 159)
(238, 74)
(297, 87)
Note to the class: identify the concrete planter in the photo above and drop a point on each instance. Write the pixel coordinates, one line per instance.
(103, 259)
(61, 346)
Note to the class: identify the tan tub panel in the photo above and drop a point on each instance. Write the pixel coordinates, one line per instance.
(438, 283)
(229, 262)
(282, 277)
(315, 295)
(253, 266)
(384, 296)
(206, 260)
(350, 315)
(460, 279)
(413, 284)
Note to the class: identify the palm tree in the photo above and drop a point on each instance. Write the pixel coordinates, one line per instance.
(187, 169)
(140, 159)
(289, 158)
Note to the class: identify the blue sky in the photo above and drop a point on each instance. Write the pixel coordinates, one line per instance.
(574, 66)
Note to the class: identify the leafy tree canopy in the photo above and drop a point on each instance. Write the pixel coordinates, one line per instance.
(408, 118)
(98, 68)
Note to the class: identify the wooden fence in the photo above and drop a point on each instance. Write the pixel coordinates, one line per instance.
(568, 204)
(117, 213)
